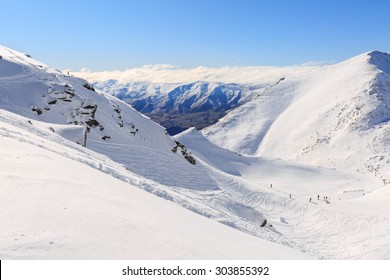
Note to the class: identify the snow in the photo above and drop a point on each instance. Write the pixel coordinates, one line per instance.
(59, 207)
(130, 192)
(179, 106)
(130, 138)
(178, 97)
(283, 174)
(336, 116)
(351, 223)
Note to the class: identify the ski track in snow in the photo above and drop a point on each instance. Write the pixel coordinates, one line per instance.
(332, 234)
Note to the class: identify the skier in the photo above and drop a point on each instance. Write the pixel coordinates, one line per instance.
(310, 199)
(318, 197)
(290, 195)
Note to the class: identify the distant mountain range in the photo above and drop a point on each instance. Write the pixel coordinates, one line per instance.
(180, 106)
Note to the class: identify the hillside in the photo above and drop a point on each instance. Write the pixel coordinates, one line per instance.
(336, 214)
(110, 126)
(60, 201)
(336, 116)
(69, 107)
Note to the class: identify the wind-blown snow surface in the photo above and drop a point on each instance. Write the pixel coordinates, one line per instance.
(59, 200)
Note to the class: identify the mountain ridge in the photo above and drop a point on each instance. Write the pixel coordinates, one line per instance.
(180, 106)
(39, 92)
(318, 113)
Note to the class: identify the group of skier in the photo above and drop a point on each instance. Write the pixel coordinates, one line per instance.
(325, 198)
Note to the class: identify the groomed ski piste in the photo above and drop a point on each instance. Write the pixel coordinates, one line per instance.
(61, 200)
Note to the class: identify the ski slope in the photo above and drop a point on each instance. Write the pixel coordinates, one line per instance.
(101, 193)
(65, 107)
(62, 201)
(352, 223)
(336, 116)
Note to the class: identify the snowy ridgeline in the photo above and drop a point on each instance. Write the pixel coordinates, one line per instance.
(62, 197)
(337, 116)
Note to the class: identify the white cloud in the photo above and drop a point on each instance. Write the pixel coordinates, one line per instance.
(163, 73)
(317, 63)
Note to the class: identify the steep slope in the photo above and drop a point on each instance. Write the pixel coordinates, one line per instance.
(111, 127)
(180, 106)
(337, 116)
(60, 201)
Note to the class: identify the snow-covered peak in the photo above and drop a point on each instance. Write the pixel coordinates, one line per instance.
(13, 62)
(378, 60)
(381, 60)
(334, 116)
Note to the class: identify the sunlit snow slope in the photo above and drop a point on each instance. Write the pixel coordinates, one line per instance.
(59, 200)
(69, 107)
(334, 213)
(34, 90)
(321, 207)
(337, 116)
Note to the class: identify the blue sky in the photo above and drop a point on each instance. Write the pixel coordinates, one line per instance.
(108, 35)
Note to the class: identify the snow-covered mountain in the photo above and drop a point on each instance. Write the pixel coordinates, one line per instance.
(51, 105)
(109, 126)
(60, 199)
(56, 204)
(337, 116)
(180, 106)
